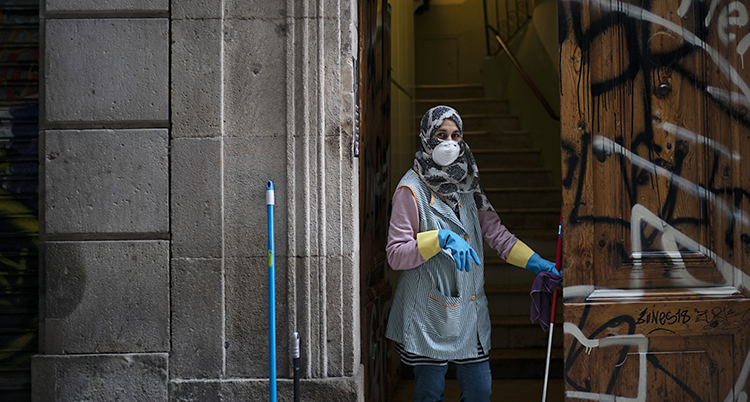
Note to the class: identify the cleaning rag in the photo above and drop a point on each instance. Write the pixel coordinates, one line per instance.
(541, 292)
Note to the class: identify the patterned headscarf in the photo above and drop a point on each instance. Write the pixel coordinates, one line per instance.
(461, 176)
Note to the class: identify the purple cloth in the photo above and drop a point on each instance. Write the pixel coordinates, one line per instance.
(541, 294)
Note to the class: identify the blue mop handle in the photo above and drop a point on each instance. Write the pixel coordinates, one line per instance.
(271, 296)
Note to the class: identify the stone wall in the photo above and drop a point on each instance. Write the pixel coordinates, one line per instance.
(161, 124)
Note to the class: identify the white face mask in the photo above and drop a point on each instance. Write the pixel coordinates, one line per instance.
(446, 153)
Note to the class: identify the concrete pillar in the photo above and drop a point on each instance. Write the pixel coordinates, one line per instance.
(162, 124)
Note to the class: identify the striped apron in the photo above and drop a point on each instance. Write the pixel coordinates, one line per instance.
(439, 311)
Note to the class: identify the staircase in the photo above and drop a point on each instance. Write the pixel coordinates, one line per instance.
(520, 190)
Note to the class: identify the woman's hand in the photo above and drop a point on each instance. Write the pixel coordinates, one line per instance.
(538, 264)
(459, 248)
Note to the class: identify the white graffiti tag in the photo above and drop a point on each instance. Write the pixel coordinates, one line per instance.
(638, 340)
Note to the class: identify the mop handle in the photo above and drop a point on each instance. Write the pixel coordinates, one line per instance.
(553, 310)
(558, 265)
(271, 296)
(295, 365)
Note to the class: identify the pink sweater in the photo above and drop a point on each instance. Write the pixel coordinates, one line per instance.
(402, 250)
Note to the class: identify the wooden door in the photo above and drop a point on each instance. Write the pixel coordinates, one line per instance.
(656, 177)
(374, 156)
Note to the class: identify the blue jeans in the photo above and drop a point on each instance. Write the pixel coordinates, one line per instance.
(475, 381)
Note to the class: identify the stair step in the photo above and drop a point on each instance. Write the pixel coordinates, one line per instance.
(506, 274)
(518, 337)
(485, 122)
(525, 222)
(546, 247)
(520, 197)
(454, 91)
(510, 299)
(535, 233)
(497, 139)
(509, 304)
(490, 122)
(515, 177)
(499, 158)
(508, 288)
(464, 106)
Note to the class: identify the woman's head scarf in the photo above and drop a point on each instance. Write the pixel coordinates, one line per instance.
(461, 176)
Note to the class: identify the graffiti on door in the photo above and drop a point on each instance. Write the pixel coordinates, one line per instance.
(655, 98)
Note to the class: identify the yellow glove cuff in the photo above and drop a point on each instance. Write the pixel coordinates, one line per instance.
(519, 254)
(428, 244)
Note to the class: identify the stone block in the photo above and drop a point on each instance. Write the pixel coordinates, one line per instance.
(107, 5)
(192, 391)
(255, 78)
(197, 193)
(106, 181)
(249, 164)
(196, 78)
(196, 9)
(247, 318)
(106, 296)
(265, 9)
(105, 70)
(197, 324)
(100, 378)
(335, 389)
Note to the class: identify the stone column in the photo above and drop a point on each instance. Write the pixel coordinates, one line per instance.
(263, 90)
(162, 123)
(104, 201)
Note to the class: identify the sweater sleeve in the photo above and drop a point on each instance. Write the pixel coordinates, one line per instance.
(402, 250)
(496, 234)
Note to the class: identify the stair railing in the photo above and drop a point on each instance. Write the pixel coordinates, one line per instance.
(526, 77)
(509, 17)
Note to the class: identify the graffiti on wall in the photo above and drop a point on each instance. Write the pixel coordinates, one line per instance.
(19, 227)
(683, 193)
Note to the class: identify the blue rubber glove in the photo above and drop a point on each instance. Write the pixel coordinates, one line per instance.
(459, 248)
(538, 264)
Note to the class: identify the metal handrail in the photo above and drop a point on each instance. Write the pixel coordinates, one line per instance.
(510, 21)
(526, 77)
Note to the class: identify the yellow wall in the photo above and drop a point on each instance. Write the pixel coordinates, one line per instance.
(403, 132)
(450, 44)
(535, 46)
(451, 48)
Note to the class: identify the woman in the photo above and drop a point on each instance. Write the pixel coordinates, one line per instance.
(440, 216)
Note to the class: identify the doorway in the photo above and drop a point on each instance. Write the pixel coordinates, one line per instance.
(414, 55)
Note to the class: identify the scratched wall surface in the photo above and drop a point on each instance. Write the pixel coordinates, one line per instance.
(19, 61)
(655, 138)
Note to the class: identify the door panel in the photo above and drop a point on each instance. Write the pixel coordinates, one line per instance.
(656, 214)
(374, 128)
(673, 351)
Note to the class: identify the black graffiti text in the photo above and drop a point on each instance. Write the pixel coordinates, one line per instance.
(661, 317)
